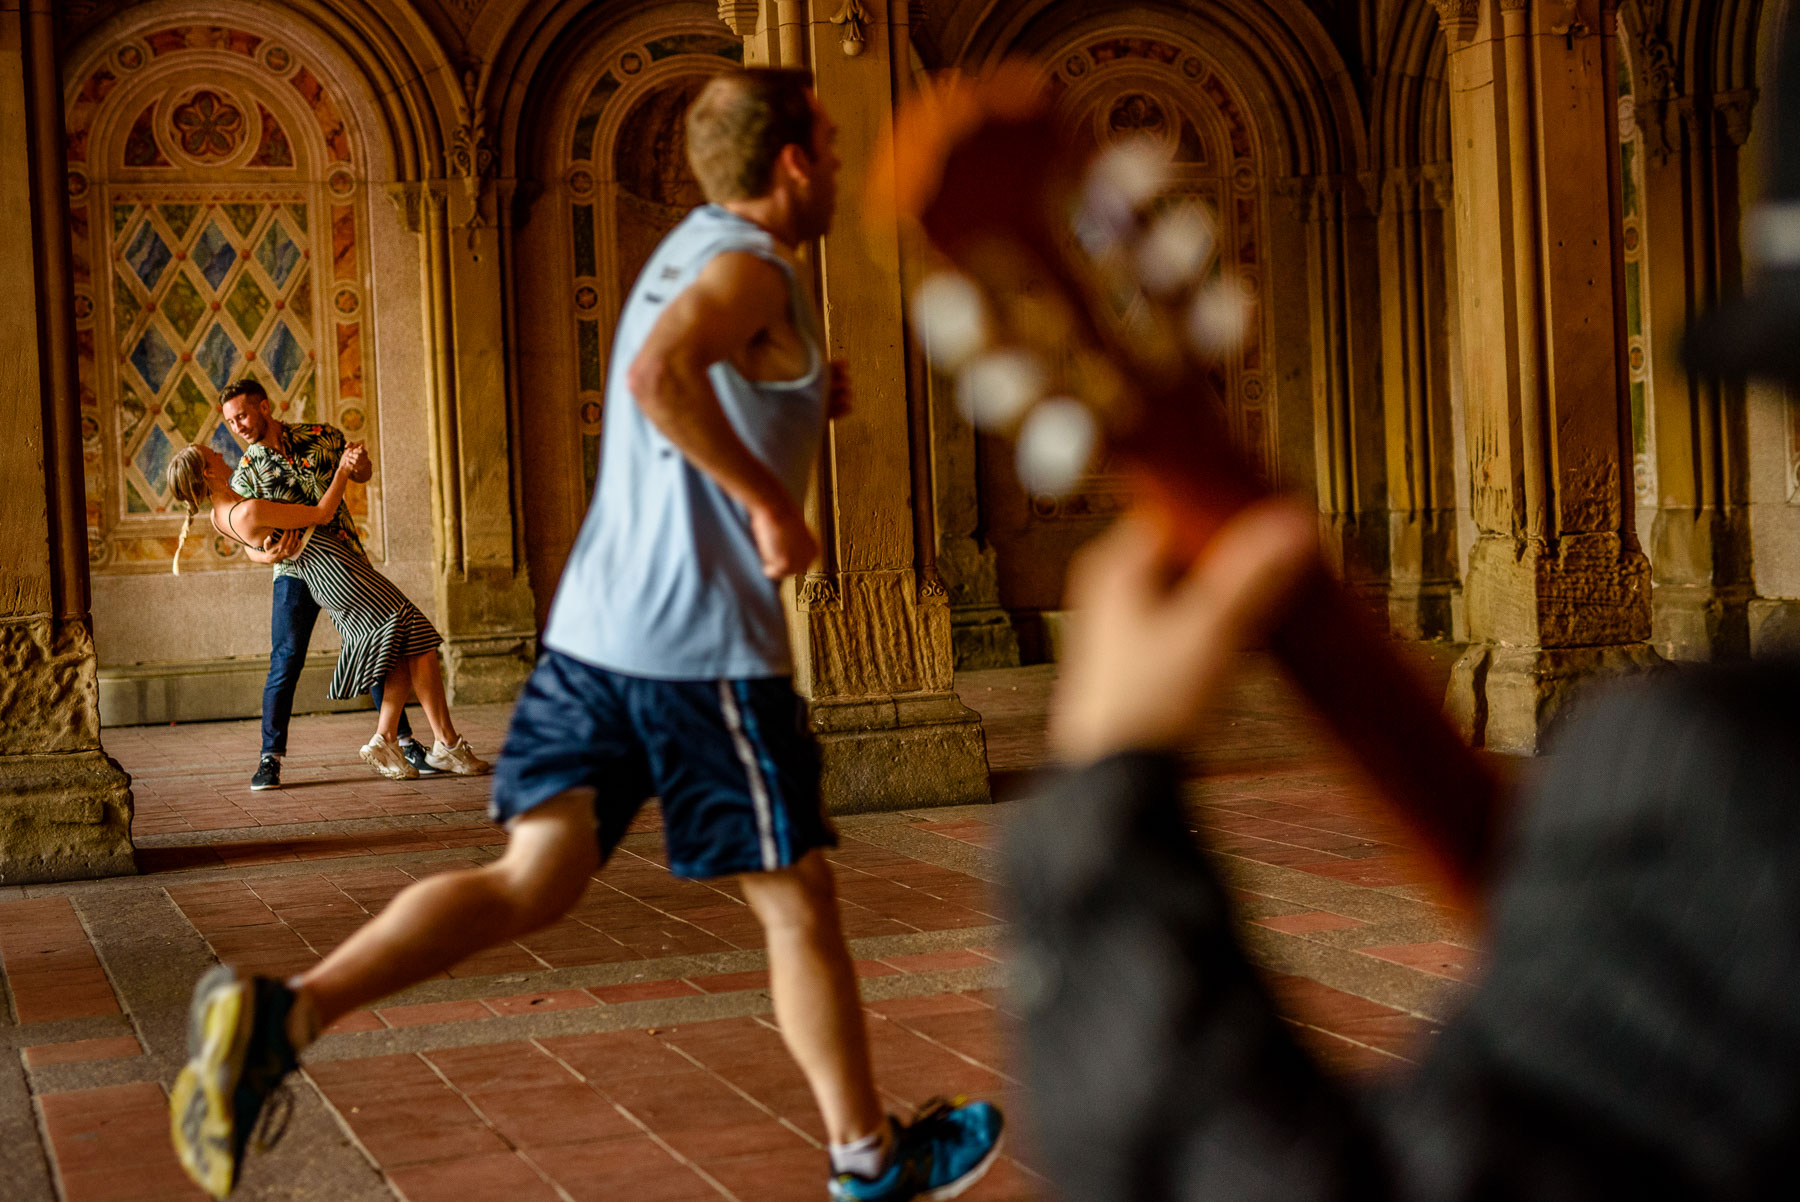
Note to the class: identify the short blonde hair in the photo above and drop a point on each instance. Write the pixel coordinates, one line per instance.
(738, 124)
(187, 483)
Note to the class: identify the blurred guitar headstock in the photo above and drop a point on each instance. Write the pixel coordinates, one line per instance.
(1076, 305)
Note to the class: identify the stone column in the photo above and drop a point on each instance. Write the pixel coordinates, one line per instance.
(1415, 380)
(1558, 590)
(1699, 535)
(871, 624)
(65, 806)
(484, 598)
(1344, 293)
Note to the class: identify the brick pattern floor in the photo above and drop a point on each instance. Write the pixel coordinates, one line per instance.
(628, 1052)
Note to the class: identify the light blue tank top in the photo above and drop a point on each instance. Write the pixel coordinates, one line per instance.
(664, 580)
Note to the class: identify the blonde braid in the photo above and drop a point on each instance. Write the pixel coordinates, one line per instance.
(187, 481)
(181, 543)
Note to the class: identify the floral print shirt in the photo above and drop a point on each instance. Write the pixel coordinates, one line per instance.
(299, 476)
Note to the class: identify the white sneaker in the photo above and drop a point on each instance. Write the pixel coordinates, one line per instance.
(385, 756)
(460, 759)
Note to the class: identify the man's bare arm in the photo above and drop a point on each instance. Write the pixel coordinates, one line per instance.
(736, 297)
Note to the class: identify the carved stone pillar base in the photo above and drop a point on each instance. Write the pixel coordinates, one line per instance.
(483, 671)
(1774, 628)
(901, 753)
(1421, 609)
(1694, 622)
(1422, 555)
(982, 636)
(64, 817)
(490, 636)
(1504, 698)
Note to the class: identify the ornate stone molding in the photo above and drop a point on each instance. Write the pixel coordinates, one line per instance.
(1458, 18)
(1439, 190)
(1735, 109)
(413, 200)
(850, 19)
(819, 591)
(740, 16)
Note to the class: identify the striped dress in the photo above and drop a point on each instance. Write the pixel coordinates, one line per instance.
(376, 623)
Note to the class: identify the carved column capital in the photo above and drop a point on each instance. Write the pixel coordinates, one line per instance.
(1439, 186)
(740, 15)
(413, 200)
(1735, 109)
(1458, 17)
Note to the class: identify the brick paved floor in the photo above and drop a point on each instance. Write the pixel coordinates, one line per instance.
(627, 1054)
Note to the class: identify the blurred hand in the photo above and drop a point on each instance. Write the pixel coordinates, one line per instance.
(837, 396)
(283, 545)
(355, 459)
(783, 539)
(1148, 650)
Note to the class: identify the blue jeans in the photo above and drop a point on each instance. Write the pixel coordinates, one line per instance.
(291, 623)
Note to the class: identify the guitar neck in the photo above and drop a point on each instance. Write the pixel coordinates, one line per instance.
(1332, 648)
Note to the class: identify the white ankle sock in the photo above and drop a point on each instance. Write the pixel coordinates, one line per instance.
(405, 740)
(868, 1157)
(302, 1019)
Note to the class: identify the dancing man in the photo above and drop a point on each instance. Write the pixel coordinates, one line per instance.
(294, 464)
(666, 673)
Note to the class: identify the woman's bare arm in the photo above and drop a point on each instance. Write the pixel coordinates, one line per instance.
(275, 515)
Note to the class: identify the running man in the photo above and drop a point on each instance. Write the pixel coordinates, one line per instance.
(666, 673)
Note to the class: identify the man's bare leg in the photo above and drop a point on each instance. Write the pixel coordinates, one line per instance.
(550, 855)
(814, 986)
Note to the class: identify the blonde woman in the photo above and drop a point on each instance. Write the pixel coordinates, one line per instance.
(386, 639)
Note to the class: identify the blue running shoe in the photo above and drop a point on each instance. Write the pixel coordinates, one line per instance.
(946, 1148)
(238, 1054)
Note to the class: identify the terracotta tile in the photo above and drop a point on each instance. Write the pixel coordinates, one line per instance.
(543, 1116)
(540, 1003)
(774, 1176)
(433, 1012)
(634, 1169)
(1306, 924)
(82, 1050)
(1439, 959)
(731, 982)
(935, 961)
(643, 991)
(494, 1175)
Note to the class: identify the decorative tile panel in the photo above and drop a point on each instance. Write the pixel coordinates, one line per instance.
(205, 201)
(1637, 330)
(616, 217)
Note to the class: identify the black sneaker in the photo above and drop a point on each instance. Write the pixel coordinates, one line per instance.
(415, 754)
(238, 1054)
(268, 774)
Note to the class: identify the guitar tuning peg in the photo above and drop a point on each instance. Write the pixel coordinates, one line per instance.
(1219, 318)
(1121, 181)
(949, 313)
(999, 386)
(1056, 445)
(1175, 250)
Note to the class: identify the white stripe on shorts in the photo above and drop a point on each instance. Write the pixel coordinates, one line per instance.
(759, 788)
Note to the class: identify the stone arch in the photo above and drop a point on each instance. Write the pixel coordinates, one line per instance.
(225, 166)
(609, 151)
(214, 175)
(1261, 94)
(1294, 82)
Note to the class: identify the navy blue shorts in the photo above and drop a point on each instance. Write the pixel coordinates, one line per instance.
(733, 762)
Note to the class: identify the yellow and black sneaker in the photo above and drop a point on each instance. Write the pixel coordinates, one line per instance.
(238, 1054)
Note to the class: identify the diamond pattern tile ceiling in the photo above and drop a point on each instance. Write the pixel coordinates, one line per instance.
(283, 354)
(278, 254)
(248, 305)
(188, 408)
(217, 356)
(153, 458)
(183, 305)
(148, 254)
(226, 444)
(214, 254)
(153, 357)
